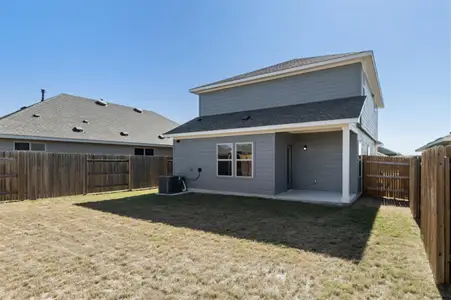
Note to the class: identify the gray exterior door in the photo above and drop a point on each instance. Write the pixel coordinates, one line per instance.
(289, 167)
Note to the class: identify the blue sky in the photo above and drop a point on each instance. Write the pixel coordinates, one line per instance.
(150, 53)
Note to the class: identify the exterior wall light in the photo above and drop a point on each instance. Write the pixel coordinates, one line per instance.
(305, 147)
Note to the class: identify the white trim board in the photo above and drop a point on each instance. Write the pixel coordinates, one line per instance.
(366, 58)
(308, 126)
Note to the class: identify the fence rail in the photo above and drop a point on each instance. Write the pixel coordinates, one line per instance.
(33, 175)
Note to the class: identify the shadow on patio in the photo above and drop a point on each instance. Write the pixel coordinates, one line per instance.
(338, 232)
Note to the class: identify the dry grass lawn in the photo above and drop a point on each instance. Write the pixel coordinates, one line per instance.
(140, 246)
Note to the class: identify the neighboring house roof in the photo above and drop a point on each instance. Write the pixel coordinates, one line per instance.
(56, 117)
(444, 140)
(302, 65)
(387, 152)
(335, 109)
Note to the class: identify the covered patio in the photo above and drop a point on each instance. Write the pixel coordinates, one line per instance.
(318, 165)
(320, 197)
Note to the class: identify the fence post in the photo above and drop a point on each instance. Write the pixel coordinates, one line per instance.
(130, 178)
(85, 175)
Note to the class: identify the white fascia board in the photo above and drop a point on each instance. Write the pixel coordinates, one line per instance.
(56, 139)
(369, 68)
(328, 64)
(264, 129)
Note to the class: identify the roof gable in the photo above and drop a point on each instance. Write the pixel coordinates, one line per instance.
(300, 66)
(59, 115)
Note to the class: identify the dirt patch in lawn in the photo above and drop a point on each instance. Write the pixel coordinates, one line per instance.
(138, 245)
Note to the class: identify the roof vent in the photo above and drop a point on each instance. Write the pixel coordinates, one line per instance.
(138, 110)
(77, 129)
(36, 115)
(245, 118)
(85, 121)
(124, 133)
(101, 102)
(200, 119)
(23, 107)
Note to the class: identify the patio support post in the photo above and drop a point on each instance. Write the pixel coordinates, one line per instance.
(345, 162)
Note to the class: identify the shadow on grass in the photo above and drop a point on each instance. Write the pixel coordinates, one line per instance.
(335, 231)
(445, 291)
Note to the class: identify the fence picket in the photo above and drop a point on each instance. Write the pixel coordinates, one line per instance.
(33, 175)
(387, 177)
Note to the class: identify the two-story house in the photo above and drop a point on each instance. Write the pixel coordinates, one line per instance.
(291, 131)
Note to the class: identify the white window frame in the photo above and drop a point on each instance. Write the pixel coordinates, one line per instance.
(218, 160)
(29, 146)
(237, 160)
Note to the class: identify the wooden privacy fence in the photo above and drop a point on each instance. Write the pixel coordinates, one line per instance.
(33, 175)
(385, 176)
(434, 211)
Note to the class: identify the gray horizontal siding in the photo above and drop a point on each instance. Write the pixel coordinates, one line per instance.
(321, 85)
(367, 144)
(66, 147)
(321, 162)
(369, 118)
(189, 155)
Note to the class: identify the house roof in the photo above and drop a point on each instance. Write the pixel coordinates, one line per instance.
(444, 140)
(302, 65)
(335, 109)
(56, 117)
(387, 152)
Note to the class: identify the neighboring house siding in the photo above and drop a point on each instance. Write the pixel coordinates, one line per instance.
(282, 140)
(66, 147)
(369, 117)
(191, 154)
(354, 164)
(321, 162)
(367, 144)
(321, 85)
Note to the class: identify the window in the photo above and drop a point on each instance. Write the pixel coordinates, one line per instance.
(37, 147)
(144, 151)
(224, 164)
(21, 146)
(244, 159)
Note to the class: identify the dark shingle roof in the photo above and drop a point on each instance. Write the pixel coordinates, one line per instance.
(444, 141)
(387, 151)
(335, 109)
(60, 114)
(294, 63)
